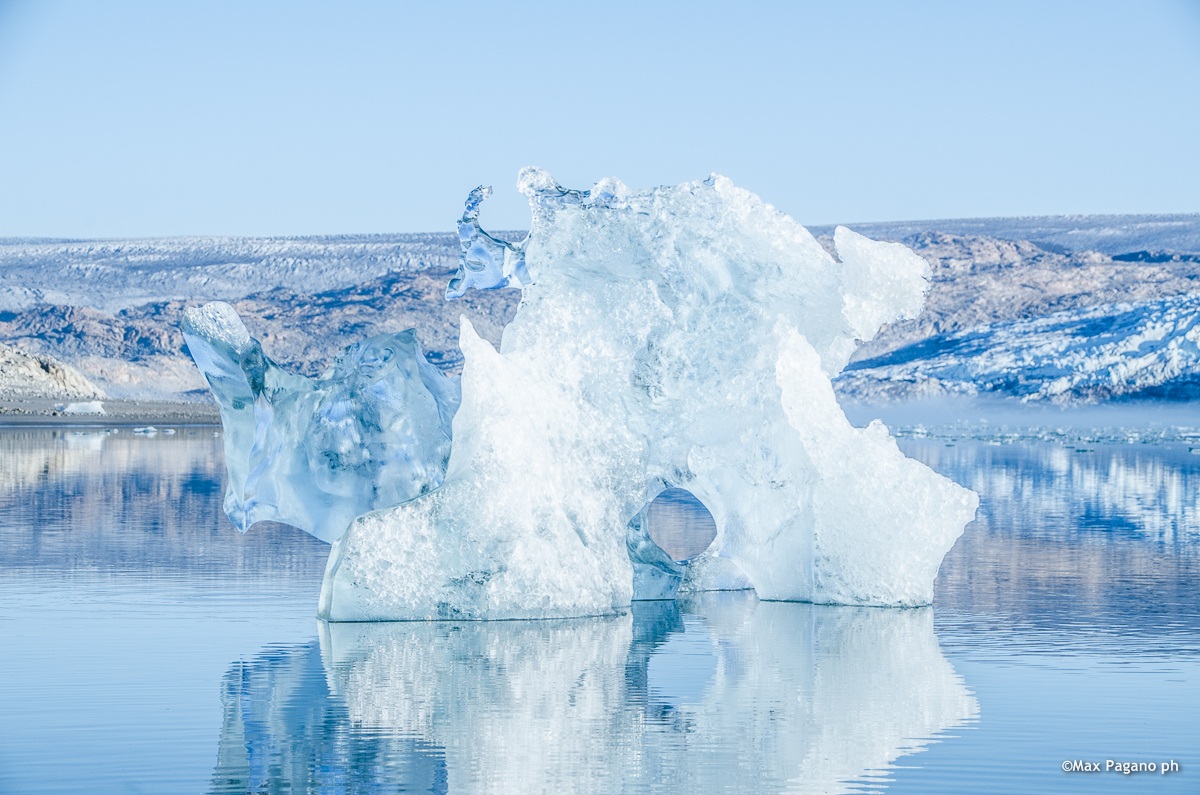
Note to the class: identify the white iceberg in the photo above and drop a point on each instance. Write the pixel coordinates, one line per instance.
(95, 407)
(677, 337)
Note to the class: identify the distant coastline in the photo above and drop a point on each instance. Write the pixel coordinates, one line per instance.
(117, 413)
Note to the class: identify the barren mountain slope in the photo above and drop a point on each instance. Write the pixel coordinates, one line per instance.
(111, 309)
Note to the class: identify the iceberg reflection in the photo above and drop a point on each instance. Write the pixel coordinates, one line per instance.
(720, 693)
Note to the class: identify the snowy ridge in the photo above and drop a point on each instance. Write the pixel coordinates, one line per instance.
(137, 351)
(1108, 234)
(1146, 350)
(112, 275)
(25, 376)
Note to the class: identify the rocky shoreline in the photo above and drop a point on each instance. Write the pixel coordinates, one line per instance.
(42, 411)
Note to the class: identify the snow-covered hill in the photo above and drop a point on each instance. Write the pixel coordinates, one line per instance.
(1119, 236)
(1057, 308)
(112, 308)
(116, 274)
(1101, 308)
(1144, 350)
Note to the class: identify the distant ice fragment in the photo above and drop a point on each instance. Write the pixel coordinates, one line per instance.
(372, 432)
(93, 407)
(677, 337)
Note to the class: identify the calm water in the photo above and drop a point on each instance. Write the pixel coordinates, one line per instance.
(149, 647)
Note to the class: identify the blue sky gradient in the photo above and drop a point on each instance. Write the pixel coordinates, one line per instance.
(128, 118)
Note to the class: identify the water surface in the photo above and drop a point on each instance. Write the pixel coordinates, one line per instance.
(150, 647)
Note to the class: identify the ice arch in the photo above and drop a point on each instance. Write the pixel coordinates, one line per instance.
(683, 336)
(657, 574)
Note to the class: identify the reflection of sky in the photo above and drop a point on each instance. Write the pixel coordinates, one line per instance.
(1072, 608)
(684, 667)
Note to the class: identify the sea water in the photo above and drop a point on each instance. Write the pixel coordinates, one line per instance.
(150, 647)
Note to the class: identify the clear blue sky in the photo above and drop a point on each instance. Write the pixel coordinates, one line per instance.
(123, 118)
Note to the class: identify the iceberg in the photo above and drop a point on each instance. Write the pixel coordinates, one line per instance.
(680, 337)
(370, 433)
(85, 407)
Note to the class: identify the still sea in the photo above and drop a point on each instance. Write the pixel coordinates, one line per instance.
(146, 646)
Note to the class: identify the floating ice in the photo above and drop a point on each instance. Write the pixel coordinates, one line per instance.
(85, 407)
(370, 433)
(681, 337)
(677, 337)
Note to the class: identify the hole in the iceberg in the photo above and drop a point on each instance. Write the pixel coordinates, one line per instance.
(680, 524)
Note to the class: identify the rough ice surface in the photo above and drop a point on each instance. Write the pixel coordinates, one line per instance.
(315, 453)
(677, 337)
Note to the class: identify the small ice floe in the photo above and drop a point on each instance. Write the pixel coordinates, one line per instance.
(168, 431)
(148, 430)
(89, 407)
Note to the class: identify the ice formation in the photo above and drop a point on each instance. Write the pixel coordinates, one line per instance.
(677, 337)
(372, 432)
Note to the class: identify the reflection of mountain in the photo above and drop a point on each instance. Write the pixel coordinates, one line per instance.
(1106, 536)
(1133, 492)
(114, 501)
(725, 694)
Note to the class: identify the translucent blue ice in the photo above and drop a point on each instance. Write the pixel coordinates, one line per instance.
(372, 432)
(485, 262)
(681, 337)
